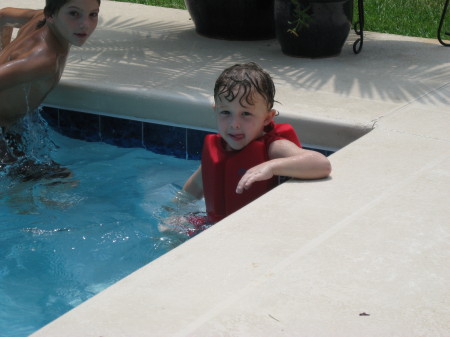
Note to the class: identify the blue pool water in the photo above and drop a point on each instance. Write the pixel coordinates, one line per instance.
(61, 243)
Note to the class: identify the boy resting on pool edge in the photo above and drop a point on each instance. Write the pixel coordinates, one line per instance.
(240, 163)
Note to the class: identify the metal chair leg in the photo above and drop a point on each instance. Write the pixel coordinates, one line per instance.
(441, 23)
(359, 28)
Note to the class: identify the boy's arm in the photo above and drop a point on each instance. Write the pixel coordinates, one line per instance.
(192, 189)
(287, 159)
(5, 36)
(17, 17)
(194, 185)
(13, 18)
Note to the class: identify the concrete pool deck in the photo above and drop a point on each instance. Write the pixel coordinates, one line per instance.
(364, 253)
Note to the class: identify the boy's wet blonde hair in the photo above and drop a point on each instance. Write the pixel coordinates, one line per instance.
(249, 78)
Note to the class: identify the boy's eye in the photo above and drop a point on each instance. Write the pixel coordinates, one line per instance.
(74, 13)
(94, 15)
(225, 112)
(246, 113)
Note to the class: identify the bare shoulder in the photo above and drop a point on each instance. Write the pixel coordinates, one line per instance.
(34, 64)
(44, 61)
(37, 49)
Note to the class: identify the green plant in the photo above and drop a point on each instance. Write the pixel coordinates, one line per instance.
(302, 18)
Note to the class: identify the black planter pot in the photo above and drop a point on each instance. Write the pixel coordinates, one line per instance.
(233, 19)
(329, 26)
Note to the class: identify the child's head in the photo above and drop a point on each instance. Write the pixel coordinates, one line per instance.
(244, 98)
(248, 79)
(73, 21)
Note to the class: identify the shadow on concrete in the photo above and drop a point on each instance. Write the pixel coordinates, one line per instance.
(170, 55)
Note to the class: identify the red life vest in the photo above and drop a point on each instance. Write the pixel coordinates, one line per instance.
(222, 170)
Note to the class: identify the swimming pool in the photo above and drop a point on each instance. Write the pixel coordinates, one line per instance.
(63, 241)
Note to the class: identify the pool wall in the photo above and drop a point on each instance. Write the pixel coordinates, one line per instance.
(178, 141)
(194, 113)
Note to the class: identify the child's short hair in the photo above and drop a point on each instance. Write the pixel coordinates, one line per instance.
(53, 6)
(248, 77)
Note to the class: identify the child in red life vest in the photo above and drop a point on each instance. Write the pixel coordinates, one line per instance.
(241, 162)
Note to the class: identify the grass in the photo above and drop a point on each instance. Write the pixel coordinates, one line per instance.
(179, 4)
(403, 17)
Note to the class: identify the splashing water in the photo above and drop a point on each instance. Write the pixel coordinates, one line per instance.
(26, 148)
(60, 237)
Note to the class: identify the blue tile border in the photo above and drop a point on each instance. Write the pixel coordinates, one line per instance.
(175, 141)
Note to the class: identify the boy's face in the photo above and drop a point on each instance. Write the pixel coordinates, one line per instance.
(76, 20)
(239, 125)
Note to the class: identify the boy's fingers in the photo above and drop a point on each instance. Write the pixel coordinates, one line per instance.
(245, 183)
(241, 185)
(239, 188)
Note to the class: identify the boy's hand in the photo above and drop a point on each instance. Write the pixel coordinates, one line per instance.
(259, 172)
